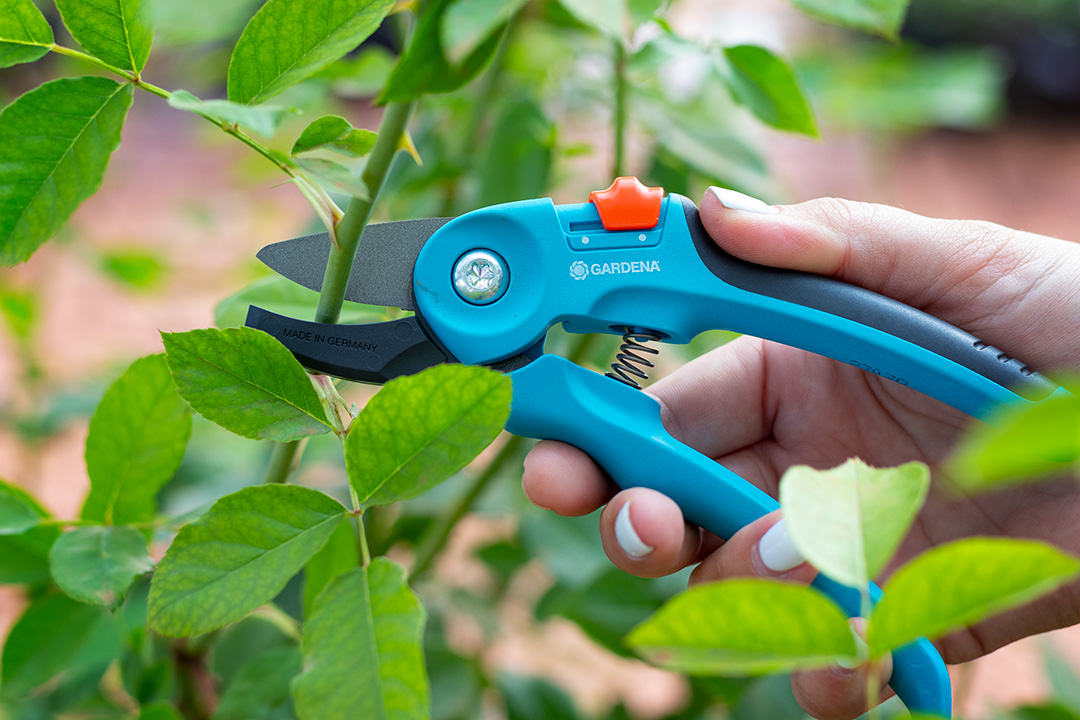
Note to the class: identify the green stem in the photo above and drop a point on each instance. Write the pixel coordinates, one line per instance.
(618, 165)
(436, 538)
(348, 232)
(284, 458)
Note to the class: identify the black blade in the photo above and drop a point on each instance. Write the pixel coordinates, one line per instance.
(372, 353)
(382, 271)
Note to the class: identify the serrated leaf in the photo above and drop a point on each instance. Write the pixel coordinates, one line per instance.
(116, 31)
(97, 565)
(56, 634)
(1022, 443)
(848, 521)
(333, 132)
(25, 35)
(882, 17)
(611, 17)
(961, 583)
(263, 120)
(245, 381)
(288, 41)
(340, 554)
(766, 85)
(19, 512)
(135, 444)
(745, 627)
(468, 23)
(333, 176)
(421, 429)
(362, 649)
(260, 690)
(424, 69)
(284, 297)
(238, 556)
(57, 140)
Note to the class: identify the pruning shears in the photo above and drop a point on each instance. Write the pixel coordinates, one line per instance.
(487, 286)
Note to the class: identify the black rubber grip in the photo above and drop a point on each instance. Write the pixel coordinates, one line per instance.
(867, 308)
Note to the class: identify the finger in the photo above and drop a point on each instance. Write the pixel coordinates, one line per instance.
(838, 693)
(990, 280)
(761, 549)
(644, 534)
(562, 478)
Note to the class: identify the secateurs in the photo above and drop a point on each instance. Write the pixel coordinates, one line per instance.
(488, 285)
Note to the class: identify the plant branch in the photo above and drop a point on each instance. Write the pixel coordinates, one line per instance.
(284, 459)
(619, 162)
(198, 693)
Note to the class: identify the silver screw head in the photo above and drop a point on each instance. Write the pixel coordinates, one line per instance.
(480, 277)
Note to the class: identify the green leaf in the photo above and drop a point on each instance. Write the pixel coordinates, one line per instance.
(333, 132)
(288, 41)
(260, 690)
(334, 176)
(238, 556)
(245, 381)
(56, 634)
(24, 558)
(135, 444)
(421, 429)
(517, 155)
(116, 31)
(25, 35)
(611, 17)
(766, 85)
(98, 564)
(362, 649)
(961, 583)
(745, 627)
(424, 69)
(1022, 443)
(276, 294)
(340, 554)
(54, 160)
(848, 521)
(532, 698)
(882, 17)
(20, 309)
(19, 511)
(158, 711)
(468, 23)
(136, 268)
(641, 11)
(264, 120)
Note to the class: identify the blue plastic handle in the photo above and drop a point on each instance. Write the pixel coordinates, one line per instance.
(621, 429)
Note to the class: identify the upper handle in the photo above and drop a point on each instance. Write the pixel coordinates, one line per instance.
(621, 429)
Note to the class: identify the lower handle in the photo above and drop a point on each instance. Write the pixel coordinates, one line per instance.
(620, 428)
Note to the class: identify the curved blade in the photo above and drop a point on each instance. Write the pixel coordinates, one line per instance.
(382, 271)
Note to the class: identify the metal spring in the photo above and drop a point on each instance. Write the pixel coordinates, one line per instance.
(625, 368)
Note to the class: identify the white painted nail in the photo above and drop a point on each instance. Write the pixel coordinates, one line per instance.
(734, 200)
(627, 536)
(776, 549)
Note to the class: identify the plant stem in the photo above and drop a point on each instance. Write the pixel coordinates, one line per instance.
(198, 694)
(284, 458)
(348, 232)
(618, 165)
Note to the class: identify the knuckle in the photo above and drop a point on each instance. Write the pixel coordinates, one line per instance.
(852, 214)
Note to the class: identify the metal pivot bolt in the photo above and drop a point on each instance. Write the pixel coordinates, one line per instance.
(481, 277)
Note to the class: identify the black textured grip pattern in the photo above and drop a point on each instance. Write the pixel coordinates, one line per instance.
(867, 308)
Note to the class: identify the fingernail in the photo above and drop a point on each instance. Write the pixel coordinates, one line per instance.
(734, 200)
(627, 536)
(862, 650)
(777, 551)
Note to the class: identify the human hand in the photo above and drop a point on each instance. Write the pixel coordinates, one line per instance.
(758, 407)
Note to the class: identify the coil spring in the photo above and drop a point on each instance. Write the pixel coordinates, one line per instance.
(626, 366)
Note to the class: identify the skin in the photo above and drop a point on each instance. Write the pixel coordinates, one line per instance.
(758, 407)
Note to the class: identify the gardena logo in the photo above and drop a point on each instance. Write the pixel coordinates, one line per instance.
(580, 271)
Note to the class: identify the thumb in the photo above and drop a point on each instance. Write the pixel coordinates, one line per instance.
(983, 277)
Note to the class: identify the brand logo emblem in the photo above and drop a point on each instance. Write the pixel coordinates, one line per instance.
(579, 270)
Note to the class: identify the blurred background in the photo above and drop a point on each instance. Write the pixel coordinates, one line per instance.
(973, 114)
